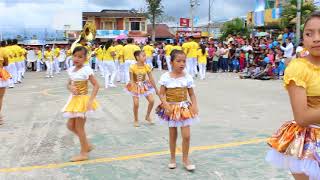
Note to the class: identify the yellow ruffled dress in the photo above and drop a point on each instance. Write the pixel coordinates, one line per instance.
(4, 74)
(76, 106)
(141, 86)
(297, 148)
(177, 98)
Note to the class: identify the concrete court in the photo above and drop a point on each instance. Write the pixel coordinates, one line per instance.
(236, 116)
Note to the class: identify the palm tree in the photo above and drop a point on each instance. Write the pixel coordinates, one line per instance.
(154, 10)
(289, 14)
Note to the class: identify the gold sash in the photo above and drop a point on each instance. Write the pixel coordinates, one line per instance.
(177, 94)
(313, 101)
(82, 87)
(139, 77)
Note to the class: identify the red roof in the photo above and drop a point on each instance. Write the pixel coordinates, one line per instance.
(162, 31)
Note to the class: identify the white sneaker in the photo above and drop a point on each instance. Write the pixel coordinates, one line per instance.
(47, 76)
(190, 167)
(172, 165)
(112, 85)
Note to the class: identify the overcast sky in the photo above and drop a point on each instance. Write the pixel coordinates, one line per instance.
(50, 13)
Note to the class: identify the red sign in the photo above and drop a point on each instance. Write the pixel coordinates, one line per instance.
(185, 22)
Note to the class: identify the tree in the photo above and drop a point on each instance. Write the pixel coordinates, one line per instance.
(235, 26)
(289, 14)
(154, 10)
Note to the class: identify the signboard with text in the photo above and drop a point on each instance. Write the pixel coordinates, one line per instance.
(196, 34)
(185, 22)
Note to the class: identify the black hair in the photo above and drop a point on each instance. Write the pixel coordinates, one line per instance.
(136, 54)
(9, 41)
(119, 41)
(3, 43)
(108, 44)
(80, 48)
(130, 40)
(175, 53)
(15, 41)
(315, 14)
(175, 43)
(203, 49)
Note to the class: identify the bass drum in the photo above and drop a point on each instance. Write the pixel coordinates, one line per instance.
(31, 56)
(62, 56)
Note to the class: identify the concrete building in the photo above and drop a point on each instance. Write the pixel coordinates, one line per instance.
(111, 23)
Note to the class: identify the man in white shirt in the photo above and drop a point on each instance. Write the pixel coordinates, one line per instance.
(31, 59)
(230, 39)
(288, 50)
(247, 47)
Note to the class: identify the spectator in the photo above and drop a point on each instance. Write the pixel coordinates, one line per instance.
(215, 60)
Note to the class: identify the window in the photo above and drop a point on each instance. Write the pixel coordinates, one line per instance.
(127, 26)
(107, 25)
(143, 26)
(135, 26)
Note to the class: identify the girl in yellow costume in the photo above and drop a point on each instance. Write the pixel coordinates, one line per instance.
(175, 110)
(80, 103)
(4, 75)
(140, 86)
(296, 145)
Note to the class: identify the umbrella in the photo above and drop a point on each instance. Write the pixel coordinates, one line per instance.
(121, 36)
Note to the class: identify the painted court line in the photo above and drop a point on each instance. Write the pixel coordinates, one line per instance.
(129, 157)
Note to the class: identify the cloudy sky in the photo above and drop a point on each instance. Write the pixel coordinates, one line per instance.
(56, 13)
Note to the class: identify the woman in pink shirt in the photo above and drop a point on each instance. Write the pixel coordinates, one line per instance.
(211, 52)
(271, 56)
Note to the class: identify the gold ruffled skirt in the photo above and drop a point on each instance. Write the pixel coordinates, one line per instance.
(4, 78)
(139, 89)
(180, 117)
(297, 149)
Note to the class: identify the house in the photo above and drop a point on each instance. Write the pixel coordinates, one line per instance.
(111, 23)
(162, 32)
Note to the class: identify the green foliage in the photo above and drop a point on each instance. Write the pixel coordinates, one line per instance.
(235, 26)
(289, 13)
(154, 10)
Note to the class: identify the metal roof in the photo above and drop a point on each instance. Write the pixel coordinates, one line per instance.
(115, 13)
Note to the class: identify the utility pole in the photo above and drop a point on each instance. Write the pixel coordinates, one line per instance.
(209, 16)
(193, 4)
(298, 26)
(191, 12)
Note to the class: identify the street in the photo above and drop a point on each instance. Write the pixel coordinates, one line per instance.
(228, 143)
